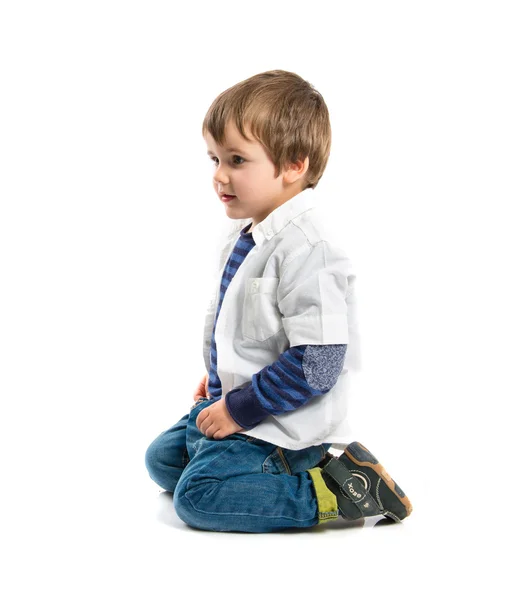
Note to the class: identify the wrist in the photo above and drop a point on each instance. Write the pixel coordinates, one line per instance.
(244, 407)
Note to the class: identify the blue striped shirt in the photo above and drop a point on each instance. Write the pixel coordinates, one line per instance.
(299, 374)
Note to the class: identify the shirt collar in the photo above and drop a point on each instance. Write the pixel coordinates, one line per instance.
(278, 218)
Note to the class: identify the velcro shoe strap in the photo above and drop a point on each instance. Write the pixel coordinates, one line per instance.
(352, 488)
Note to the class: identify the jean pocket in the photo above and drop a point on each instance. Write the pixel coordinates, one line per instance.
(297, 461)
(276, 464)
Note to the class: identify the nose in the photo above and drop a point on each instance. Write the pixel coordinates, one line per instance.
(220, 176)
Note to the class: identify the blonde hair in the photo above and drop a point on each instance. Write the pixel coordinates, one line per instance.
(284, 113)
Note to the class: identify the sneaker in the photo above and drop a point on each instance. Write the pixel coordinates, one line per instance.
(362, 486)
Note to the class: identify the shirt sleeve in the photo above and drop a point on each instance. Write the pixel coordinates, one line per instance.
(312, 295)
(300, 373)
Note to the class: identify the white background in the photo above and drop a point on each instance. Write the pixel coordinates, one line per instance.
(107, 222)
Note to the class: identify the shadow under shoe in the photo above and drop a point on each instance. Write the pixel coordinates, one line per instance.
(362, 486)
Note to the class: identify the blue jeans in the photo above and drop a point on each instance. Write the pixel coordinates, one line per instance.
(238, 483)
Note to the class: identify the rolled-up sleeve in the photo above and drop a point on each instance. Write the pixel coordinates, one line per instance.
(312, 295)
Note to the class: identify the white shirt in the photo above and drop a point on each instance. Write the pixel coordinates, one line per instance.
(294, 287)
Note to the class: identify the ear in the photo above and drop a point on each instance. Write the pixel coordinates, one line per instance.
(296, 170)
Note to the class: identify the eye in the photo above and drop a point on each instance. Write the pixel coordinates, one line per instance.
(215, 160)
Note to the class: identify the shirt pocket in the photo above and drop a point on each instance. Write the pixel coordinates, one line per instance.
(261, 316)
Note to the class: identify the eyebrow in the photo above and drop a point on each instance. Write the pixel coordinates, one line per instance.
(230, 150)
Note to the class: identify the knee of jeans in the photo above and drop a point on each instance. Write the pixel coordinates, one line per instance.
(151, 456)
(182, 506)
(154, 463)
(187, 498)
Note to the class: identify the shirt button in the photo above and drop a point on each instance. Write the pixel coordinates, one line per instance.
(255, 285)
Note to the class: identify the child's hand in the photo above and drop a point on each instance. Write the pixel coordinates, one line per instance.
(215, 421)
(202, 389)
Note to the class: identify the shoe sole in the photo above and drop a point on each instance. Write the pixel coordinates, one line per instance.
(361, 456)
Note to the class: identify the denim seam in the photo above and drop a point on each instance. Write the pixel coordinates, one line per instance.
(216, 457)
(283, 460)
(203, 512)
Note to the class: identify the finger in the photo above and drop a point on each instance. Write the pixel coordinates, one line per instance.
(205, 424)
(203, 428)
(201, 417)
(211, 431)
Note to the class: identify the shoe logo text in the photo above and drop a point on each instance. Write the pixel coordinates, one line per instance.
(353, 492)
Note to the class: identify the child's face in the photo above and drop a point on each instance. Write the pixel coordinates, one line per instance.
(243, 169)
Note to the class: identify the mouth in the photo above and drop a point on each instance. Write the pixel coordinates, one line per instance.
(227, 197)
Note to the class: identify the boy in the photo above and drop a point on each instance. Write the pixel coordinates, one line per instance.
(252, 453)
